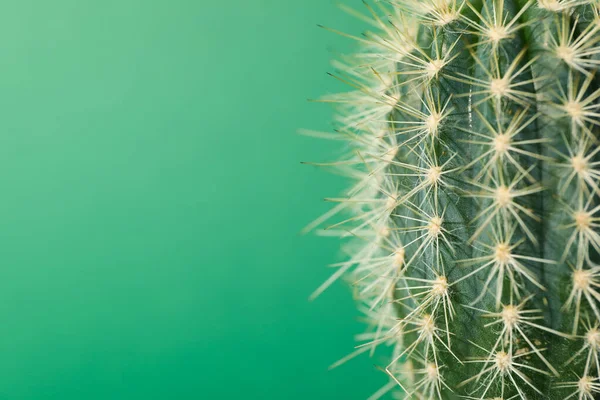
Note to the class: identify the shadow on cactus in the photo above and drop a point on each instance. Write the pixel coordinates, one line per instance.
(471, 140)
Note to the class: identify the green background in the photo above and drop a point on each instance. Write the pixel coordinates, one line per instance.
(152, 196)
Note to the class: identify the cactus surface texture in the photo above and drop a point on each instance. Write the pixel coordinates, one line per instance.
(471, 228)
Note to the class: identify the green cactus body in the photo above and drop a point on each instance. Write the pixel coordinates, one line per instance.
(472, 221)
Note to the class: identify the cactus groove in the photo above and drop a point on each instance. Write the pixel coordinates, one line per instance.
(470, 133)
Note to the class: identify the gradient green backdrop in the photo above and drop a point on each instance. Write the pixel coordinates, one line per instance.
(152, 195)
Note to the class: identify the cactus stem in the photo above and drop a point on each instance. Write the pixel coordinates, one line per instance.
(472, 226)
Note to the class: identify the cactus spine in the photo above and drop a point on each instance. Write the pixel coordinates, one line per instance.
(471, 137)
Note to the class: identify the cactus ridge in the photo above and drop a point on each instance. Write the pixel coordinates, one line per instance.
(470, 136)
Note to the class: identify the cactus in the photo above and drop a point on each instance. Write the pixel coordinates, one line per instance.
(470, 135)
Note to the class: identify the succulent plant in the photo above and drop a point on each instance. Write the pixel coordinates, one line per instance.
(470, 133)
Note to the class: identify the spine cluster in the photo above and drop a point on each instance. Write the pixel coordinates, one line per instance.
(471, 225)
